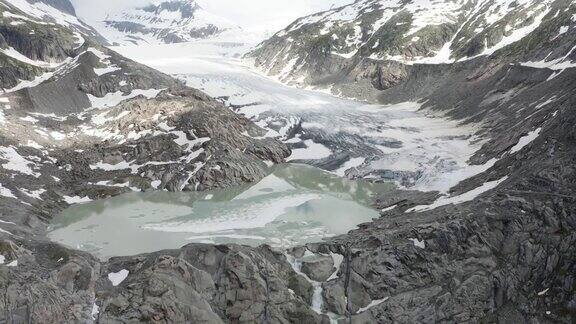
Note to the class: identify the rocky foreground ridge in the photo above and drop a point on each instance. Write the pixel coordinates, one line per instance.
(80, 122)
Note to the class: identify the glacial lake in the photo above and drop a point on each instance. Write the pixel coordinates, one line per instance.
(293, 205)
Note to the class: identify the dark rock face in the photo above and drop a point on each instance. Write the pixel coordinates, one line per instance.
(46, 45)
(318, 268)
(11, 72)
(186, 8)
(47, 280)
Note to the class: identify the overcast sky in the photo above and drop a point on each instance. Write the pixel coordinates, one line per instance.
(269, 14)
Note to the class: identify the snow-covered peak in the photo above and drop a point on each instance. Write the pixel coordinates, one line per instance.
(172, 21)
(59, 12)
(455, 23)
(175, 10)
(405, 31)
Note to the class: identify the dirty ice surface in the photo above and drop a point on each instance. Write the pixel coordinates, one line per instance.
(395, 143)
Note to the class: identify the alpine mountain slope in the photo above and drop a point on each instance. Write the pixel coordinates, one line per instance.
(502, 236)
(379, 42)
(170, 21)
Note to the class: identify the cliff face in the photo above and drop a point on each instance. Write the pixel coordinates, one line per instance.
(28, 48)
(64, 6)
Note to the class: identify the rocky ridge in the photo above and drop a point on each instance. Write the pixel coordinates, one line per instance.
(376, 44)
(173, 21)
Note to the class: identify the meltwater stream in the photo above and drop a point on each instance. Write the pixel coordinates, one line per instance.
(295, 204)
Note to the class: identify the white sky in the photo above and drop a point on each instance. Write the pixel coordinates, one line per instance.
(250, 14)
(269, 13)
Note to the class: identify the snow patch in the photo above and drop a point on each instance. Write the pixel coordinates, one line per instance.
(525, 140)
(43, 11)
(13, 53)
(518, 34)
(16, 162)
(71, 200)
(337, 258)
(418, 243)
(31, 83)
(389, 208)
(313, 151)
(465, 197)
(106, 70)
(95, 311)
(373, 303)
(115, 98)
(543, 292)
(5, 192)
(33, 193)
(117, 278)
(156, 183)
(350, 164)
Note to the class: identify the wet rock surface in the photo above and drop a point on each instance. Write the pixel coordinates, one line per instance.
(202, 283)
(163, 21)
(318, 268)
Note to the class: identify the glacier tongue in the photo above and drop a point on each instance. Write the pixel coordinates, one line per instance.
(393, 143)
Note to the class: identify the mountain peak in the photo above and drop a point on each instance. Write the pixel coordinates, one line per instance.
(406, 32)
(172, 21)
(186, 8)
